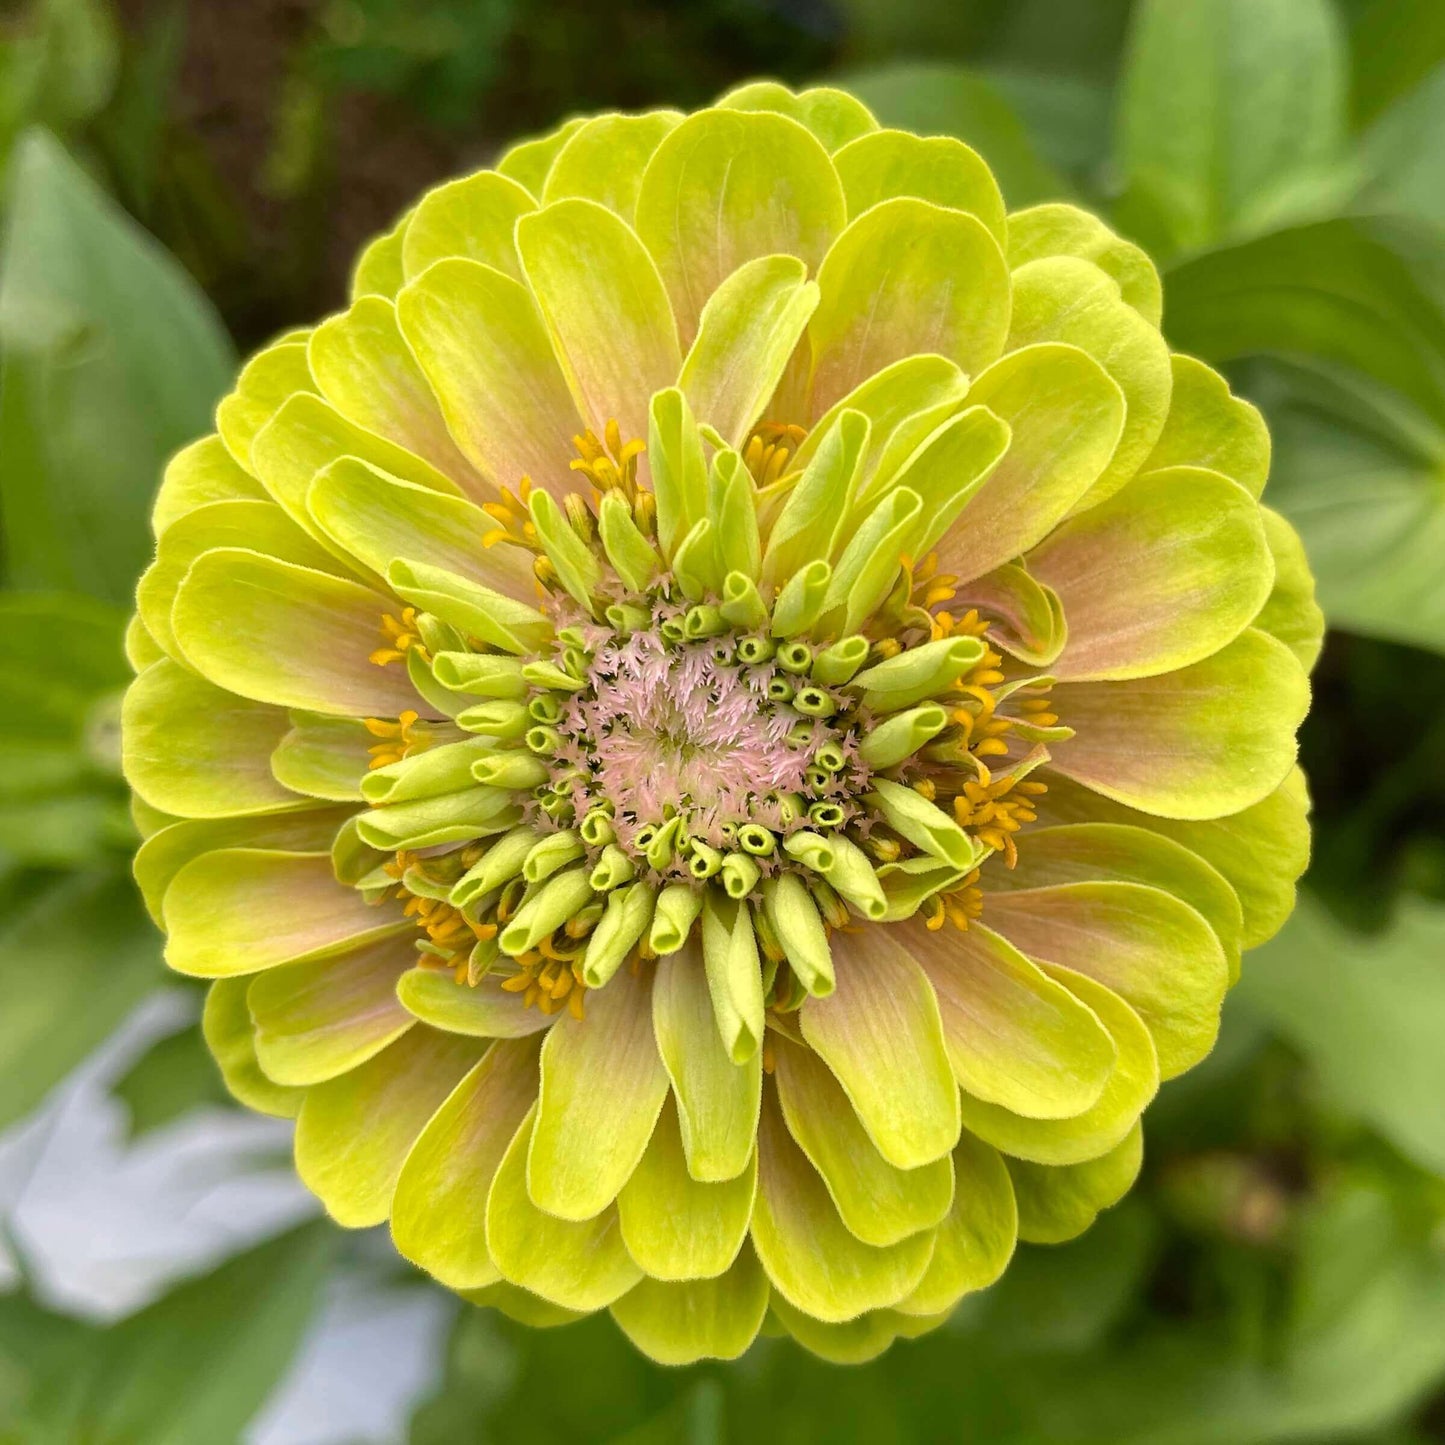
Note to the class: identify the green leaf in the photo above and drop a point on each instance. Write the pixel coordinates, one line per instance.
(1367, 1013)
(72, 965)
(1395, 44)
(110, 358)
(1232, 113)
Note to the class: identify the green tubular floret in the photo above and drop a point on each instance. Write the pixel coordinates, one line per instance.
(916, 674)
(613, 869)
(544, 741)
(596, 828)
(546, 708)
(791, 911)
(814, 702)
(898, 737)
(837, 664)
(739, 873)
(500, 718)
(545, 910)
(677, 908)
(502, 862)
(796, 657)
(742, 604)
(755, 650)
(554, 851)
(513, 769)
(754, 838)
(626, 918)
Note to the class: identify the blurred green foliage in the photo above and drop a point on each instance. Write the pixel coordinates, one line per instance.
(1279, 1275)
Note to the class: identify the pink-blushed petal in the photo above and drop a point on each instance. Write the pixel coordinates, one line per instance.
(880, 1033)
(354, 1132)
(239, 910)
(1202, 742)
(1164, 573)
(1026, 619)
(317, 1020)
(1014, 1036)
(603, 1085)
(439, 1210)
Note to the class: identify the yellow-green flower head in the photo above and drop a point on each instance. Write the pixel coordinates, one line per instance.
(723, 726)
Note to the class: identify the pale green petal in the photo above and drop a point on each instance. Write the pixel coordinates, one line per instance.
(811, 1257)
(1209, 427)
(1097, 1130)
(1152, 949)
(603, 1085)
(472, 217)
(200, 473)
(485, 1009)
(1061, 298)
(365, 369)
(288, 635)
(717, 1100)
(317, 1020)
(726, 187)
(887, 163)
(707, 1319)
(323, 757)
(267, 380)
(906, 277)
(834, 116)
(438, 1215)
(879, 1203)
(580, 1266)
(852, 1342)
(1163, 573)
(239, 910)
(880, 1033)
(1058, 1202)
(1202, 742)
(750, 327)
(141, 649)
(194, 750)
(1259, 851)
(674, 1226)
(605, 309)
(354, 1132)
(231, 1037)
(484, 348)
(528, 161)
(1065, 417)
(522, 1306)
(604, 158)
(1014, 1036)
(377, 271)
(1059, 229)
(1291, 613)
(973, 1246)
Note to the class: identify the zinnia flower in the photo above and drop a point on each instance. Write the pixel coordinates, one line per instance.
(723, 726)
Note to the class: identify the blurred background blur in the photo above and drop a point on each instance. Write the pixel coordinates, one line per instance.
(182, 180)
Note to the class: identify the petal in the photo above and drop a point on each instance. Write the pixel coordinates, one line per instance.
(603, 1085)
(973, 1245)
(192, 749)
(717, 1100)
(749, 329)
(1059, 229)
(1026, 619)
(880, 1033)
(1259, 851)
(231, 1037)
(1163, 573)
(907, 277)
(1291, 613)
(1098, 1129)
(1061, 298)
(604, 158)
(1058, 1202)
(288, 635)
(379, 519)
(482, 343)
(324, 757)
(675, 1227)
(529, 161)
(472, 217)
(485, 1010)
(1014, 1036)
(438, 1215)
(365, 369)
(879, 1203)
(354, 1132)
(522, 1306)
(1086, 852)
(1202, 742)
(605, 309)
(239, 910)
(1065, 416)
(888, 163)
(581, 1266)
(317, 1020)
(834, 116)
(810, 1255)
(169, 849)
(726, 187)
(852, 1342)
(705, 1319)
(266, 381)
(1153, 950)
(200, 473)
(377, 271)
(1209, 427)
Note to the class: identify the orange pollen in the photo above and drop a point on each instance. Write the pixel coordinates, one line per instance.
(401, 637)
